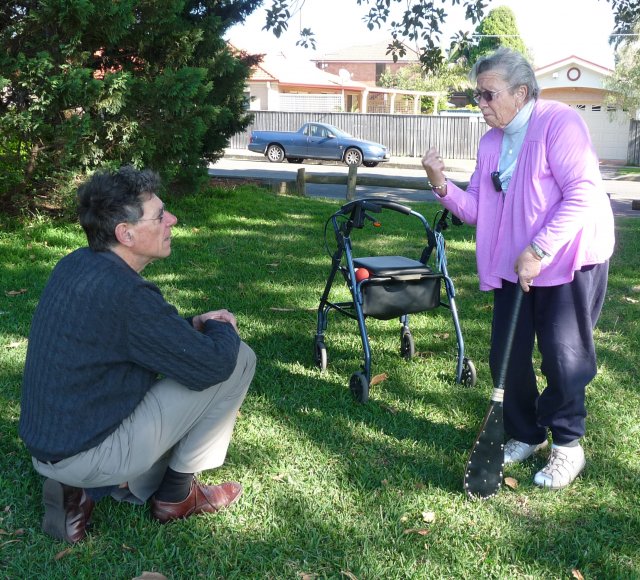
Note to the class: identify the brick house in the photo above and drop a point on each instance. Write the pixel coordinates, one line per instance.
(365, 63)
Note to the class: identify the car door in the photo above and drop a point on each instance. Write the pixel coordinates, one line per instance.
(322, 144)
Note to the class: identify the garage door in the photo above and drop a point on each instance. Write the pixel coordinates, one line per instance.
(609, 129)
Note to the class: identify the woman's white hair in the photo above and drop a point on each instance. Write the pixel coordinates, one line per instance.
(512, 66)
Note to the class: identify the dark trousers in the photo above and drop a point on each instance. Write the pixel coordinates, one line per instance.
(561, 319)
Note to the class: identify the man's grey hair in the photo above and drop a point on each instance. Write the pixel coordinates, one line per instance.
(110, 198)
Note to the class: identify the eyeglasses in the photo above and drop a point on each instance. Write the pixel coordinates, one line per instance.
(487, 95)
(158, 219)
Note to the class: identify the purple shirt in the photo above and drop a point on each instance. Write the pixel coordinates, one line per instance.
(556, 199)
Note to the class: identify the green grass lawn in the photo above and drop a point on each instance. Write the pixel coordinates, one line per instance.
(333, 488)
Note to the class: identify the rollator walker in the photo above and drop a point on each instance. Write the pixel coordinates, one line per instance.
(386, 287)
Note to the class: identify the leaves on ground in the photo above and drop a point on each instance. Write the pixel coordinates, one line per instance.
(379, 379)
(428, 517)
(511, 482)
(419, 531)
(62, 554)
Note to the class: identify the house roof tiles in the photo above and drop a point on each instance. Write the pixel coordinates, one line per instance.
(367, 53)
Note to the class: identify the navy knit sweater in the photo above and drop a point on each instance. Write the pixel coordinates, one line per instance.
(100, 338)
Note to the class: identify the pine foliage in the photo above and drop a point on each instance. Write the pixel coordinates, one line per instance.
(94, 83)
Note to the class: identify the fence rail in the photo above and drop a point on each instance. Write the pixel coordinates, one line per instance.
(404, 135)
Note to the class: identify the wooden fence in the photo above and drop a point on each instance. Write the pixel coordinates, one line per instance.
(404, 135)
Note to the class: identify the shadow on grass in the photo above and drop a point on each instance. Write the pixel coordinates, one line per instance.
(327, 480)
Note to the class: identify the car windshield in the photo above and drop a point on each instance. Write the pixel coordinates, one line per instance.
(339, 133)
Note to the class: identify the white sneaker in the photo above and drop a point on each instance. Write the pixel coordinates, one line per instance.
(565, 464)
(516, 451)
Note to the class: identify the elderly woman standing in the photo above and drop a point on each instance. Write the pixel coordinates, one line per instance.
(544, 222)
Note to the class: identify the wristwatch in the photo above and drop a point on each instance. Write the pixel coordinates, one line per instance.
(538, 251)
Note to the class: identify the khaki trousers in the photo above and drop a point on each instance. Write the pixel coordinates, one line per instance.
(172, 426)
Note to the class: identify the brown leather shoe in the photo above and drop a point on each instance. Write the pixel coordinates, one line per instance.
(201, 499)
(67, 511)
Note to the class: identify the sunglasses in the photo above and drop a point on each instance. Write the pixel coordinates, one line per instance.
(487, 95)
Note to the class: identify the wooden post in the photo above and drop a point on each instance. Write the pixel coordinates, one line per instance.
(301, 184)
(279, 187)
(352, 178)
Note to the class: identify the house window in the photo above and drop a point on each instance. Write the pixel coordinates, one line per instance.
(381, 68)
(596, 108)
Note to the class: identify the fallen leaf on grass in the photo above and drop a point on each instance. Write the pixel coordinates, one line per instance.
(511, 482)
(16, 292)
(348, 574)
(151, 576)
(8, 542)
(428, 517)
(274, 265)
(419, 531)
(576, 574)
(635, 288)
(128, 548)
(378, 379)
(62, 554)
(389, 409)
(630, 300)
(442, 335)
(307, 575)
(425, 354)
(15, 344)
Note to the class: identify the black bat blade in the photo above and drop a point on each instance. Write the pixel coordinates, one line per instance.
(483, 474)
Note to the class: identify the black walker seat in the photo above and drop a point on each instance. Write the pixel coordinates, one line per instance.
(396, 286)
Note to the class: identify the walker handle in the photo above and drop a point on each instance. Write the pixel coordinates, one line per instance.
(377, 204)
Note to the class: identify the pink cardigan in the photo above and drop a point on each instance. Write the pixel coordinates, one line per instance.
(556, 198)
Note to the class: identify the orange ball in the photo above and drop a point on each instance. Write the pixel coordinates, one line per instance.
(362, 274)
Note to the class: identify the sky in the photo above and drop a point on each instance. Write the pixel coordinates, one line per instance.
(551, 29)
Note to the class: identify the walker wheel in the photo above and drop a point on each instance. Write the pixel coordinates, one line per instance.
(407, 344)
(359, 386)
(320, 354)
(469, 376)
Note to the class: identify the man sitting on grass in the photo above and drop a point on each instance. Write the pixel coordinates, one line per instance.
(121, 395)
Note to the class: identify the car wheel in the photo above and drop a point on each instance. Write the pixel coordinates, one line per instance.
(352, 156)
(275, 154)
(370, 163)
